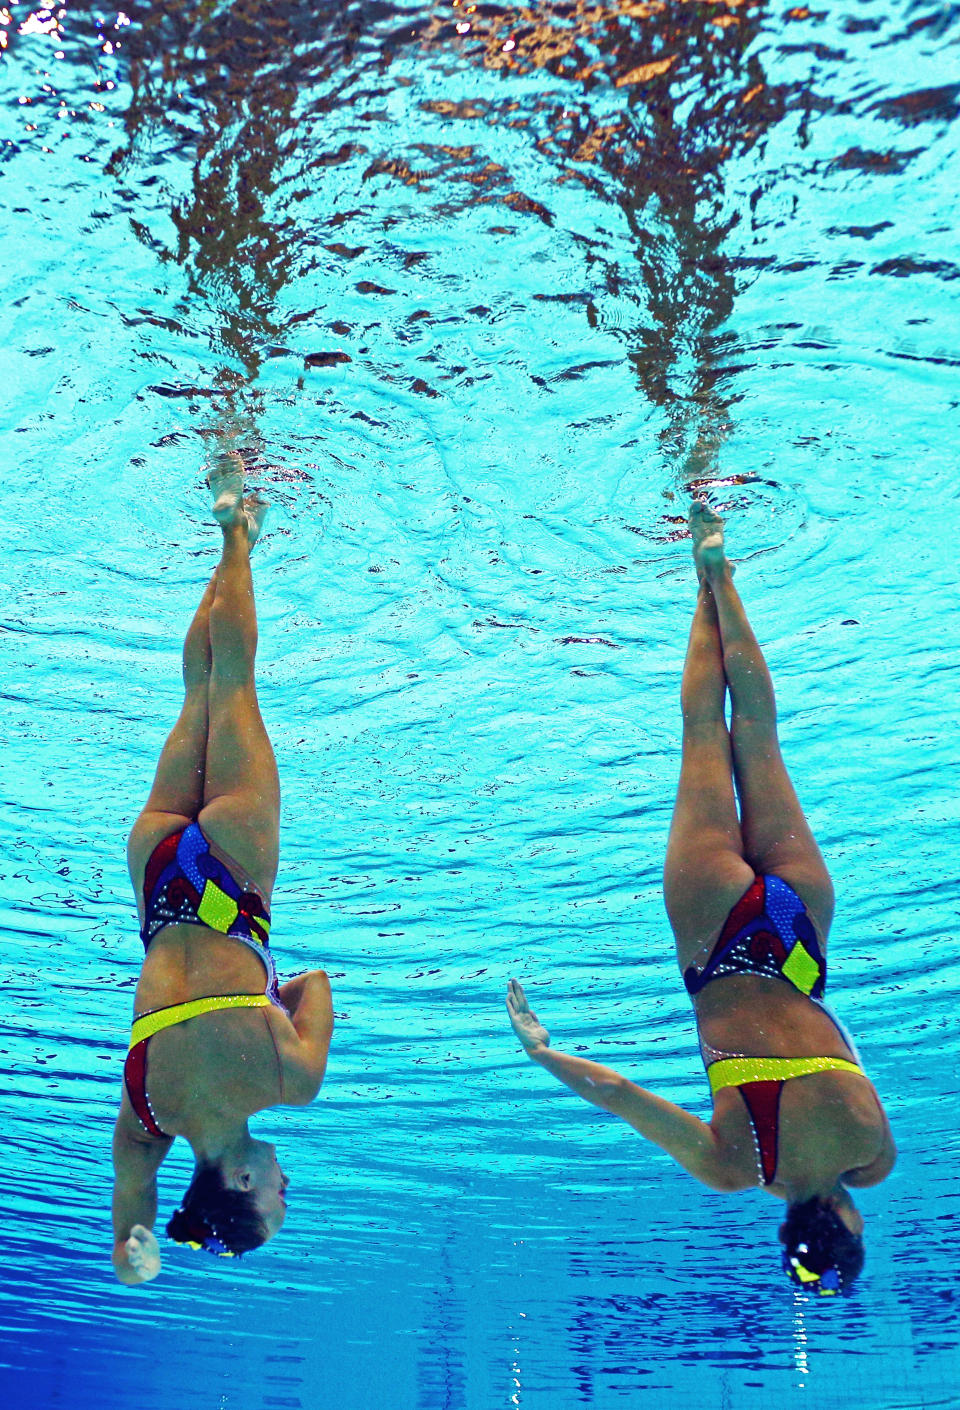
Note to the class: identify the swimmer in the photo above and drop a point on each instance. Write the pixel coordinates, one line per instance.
(750, 903)
(215, 1037)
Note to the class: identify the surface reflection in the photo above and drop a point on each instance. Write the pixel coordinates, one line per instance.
(687, 100)
(217, 88)
(655, 101)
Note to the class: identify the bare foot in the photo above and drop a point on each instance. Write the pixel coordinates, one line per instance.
(225, 478)
(230, 505)
(255, 508)
(706, 530)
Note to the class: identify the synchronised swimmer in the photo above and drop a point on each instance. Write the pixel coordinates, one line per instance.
(215, 1036)
(750, 903)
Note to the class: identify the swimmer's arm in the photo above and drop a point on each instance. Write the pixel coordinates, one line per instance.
(690, 1141)
(305, 1058)
(136, 1160)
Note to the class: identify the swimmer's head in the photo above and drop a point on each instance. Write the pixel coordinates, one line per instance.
(232, 1207)
(821, 1254)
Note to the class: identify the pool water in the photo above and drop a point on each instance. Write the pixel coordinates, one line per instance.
(481, 290)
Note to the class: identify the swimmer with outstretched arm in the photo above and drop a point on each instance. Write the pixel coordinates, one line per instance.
(750, 903)
(225, 1039)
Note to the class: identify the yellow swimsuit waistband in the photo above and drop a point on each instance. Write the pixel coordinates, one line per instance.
(150, 1023)
(735, 1071)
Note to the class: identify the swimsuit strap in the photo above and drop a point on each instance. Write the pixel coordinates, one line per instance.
(147, 1024)
(759, 1081)
(735, 1071)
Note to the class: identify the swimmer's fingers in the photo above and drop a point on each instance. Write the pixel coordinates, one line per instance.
(516, 998)
(526, 1025)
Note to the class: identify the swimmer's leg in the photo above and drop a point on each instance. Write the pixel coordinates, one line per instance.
(776, 835)
(177, 793)
(705, 872)
(241, 803)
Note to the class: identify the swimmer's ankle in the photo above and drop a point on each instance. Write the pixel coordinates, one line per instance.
(718, 573)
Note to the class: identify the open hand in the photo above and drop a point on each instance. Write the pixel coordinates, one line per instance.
(527, 1027)
(143, 1253)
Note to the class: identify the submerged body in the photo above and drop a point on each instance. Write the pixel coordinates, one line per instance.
(216, 1037)
(750, 903)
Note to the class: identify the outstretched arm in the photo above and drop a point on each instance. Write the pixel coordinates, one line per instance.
(690, 1141)
(310, 1004)
(136, 1160)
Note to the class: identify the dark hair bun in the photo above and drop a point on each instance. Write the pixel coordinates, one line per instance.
(816, 1239)
(186, 1228)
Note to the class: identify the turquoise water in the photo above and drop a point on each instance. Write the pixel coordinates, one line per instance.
(479, 314)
